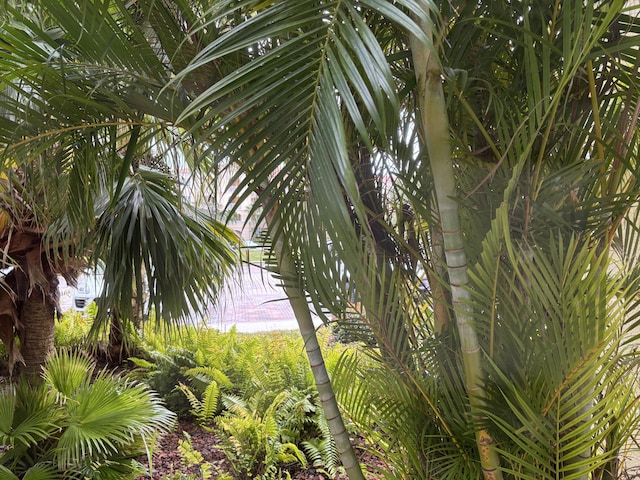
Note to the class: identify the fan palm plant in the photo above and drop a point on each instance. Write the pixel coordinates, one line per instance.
(74, 424)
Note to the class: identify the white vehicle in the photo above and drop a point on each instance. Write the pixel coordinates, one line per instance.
(88, 289)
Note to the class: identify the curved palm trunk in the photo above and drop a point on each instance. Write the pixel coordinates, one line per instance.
(434, 128)
(300, 307)
(391, 333)
(37, 328)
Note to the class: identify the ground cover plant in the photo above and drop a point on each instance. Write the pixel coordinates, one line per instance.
(246, 401)
(255, 392)
(77, 422)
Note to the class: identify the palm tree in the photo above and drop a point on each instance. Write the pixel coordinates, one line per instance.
(83, 194)
(542, 102)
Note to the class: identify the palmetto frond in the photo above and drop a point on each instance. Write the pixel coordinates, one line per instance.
(94, 430)
(25, 423)
(43, 471)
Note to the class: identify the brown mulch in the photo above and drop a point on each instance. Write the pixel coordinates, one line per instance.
(167, 460)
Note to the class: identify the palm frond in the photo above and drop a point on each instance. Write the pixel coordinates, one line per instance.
(66, 373)
(148, 230)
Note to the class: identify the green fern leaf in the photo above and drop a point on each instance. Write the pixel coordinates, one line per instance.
(196, 404)
(208, 374)
(210, 403)
(142, 363)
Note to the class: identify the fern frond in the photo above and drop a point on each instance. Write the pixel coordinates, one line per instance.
(194, 401)
(204, 410)
(290, 453)
(235, 405)
(141, 363)
(210, 402)
(189, 455)
(322, 453)
(206, 374)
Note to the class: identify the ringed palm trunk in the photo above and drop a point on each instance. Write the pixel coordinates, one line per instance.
(434, 128)
(37, 328)
(298, 302)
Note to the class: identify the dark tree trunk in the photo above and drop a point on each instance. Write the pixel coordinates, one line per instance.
(37, 328)
(117, 349)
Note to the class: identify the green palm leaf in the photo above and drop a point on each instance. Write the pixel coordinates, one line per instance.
(31, 417)
(37, 472)
(146, 227)
(66, 373)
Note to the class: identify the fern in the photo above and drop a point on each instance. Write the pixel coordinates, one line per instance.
(206, 374)
(322, 449)
(251, 440)
(142, 363)
(259, 391)
(204, 410)
(323, 455)
(192, 457)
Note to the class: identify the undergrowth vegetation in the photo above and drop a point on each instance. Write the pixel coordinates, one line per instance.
(76, 422)
(256, 391)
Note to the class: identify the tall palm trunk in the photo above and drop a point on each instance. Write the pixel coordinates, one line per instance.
(434, 129)
(302, 312)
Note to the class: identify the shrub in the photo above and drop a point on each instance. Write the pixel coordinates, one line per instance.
(72, 329)
(163, 372)
(252, 440)
(77, 422)
(256, 389)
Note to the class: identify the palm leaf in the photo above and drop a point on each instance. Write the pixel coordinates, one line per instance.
(66, 373)
(105, 416)
(33, 416)
(147, 228)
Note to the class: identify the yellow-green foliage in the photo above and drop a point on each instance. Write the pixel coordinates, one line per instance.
(253, 441)
(72, 328)
(77, 420)
(192, 457)
(240, 358)
(204, 410)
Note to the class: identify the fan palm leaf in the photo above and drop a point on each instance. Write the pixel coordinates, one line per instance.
(92, 426)
(37, 472)
(148, 227)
